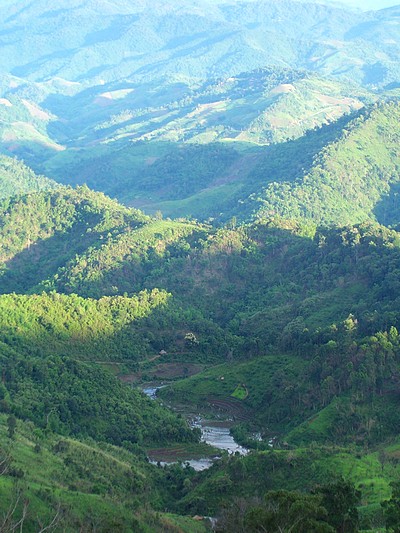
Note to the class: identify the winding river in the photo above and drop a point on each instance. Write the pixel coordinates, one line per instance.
(213, 432)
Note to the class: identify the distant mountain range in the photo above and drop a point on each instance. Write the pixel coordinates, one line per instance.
(169, 106)
(252, 259)
(91, 42)
(238, 109)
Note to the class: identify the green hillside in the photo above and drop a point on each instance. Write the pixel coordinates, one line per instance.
(344, 173)
(71, 397)
(17, 178)
(59, 482)
(248, 282)
(353, 179)
(189, 140)
(43, 226)
(170, 142)
(81, 242)
(296, 324)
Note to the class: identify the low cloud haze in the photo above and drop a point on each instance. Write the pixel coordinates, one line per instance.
(369, 4)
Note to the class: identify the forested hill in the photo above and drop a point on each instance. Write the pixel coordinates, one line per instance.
(352, 179)
(187, 288)
(343, 173)
(78, 241)
(17, 178)
(176, 141)
(87, 42)
(302, 322)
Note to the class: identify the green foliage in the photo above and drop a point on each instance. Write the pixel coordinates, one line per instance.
(98, 330)
(352, 180)
(17, 178)
(42, 231)
(302, 320)
(280, 511)
(340, 499)
(314, 287)
(330, 508)
(70, 397)
(80, 484)
(391, 509)
(11, 426)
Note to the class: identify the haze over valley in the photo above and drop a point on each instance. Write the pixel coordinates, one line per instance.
(199, 266)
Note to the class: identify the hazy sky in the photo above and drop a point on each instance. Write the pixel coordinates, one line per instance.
(371, 4)
(360, 4)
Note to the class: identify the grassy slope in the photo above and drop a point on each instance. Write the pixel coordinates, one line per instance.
(161, 163)
(92, 484)
(256, 384)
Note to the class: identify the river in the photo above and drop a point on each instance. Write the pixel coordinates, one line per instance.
(213, 432)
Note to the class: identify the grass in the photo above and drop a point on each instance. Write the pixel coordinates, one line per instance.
(240, 392)
(97, 486)
(221, 381)
(315, 428)
(186, 524)
(200, 205)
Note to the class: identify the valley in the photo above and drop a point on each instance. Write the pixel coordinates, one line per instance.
(199, 267)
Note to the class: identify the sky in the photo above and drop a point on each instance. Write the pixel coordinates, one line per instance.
(365, 5)
(370, 4)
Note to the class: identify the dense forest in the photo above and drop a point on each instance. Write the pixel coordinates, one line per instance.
(322, 376)
(199, 236)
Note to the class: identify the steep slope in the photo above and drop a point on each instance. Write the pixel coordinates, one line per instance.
(279, 270)
(55, 481)
(94, 247)
(110, 328)
(23, 127)
(353, 179)
(343, 173)
(75, 398)
(52, 227)
(17, 178)
(302, 321)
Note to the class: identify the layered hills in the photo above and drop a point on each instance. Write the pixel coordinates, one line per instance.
(89, 42)
(269, 132)
(324, 371)
(176, 141)
(156, 280)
